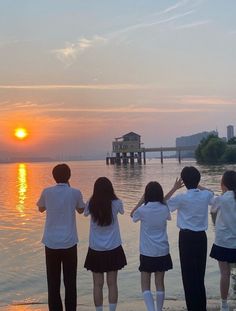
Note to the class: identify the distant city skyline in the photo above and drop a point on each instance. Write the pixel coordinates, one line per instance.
(76, 74)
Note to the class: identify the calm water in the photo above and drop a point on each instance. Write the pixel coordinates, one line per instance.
(22, 267)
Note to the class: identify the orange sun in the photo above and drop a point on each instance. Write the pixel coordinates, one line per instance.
(21, 133)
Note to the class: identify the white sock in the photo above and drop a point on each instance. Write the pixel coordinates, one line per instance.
(160, 296)
(112, 306)
(148, 298)
(224, 302)
(99, 308)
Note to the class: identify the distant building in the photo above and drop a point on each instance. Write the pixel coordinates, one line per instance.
(192, 140)
(230, 132)
(130, 142)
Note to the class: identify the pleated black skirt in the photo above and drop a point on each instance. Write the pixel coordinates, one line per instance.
(155, 264)
(105, 261)
(223, 254)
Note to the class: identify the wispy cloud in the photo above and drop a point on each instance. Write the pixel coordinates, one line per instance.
(131, 110)
(193, 25)
(78, 86)
(207, 100)
(73, 50)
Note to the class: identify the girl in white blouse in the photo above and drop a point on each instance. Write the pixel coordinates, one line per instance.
(224, 247)
(154, 247)
(105, 253)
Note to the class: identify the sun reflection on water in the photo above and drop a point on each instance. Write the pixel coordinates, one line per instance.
(22, 188)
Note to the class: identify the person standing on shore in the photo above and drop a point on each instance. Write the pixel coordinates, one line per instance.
(60, 237)
(224, 247)
(192, 220)
(154, 247)
(105, 252)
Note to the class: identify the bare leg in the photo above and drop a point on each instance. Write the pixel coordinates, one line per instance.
(112, 287)
(98, 282)
(145, 281)
(159, 281)
(224, 279)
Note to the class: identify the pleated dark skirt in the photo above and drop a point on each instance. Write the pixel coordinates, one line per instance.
(155, 264)
(105, 261)
(223, 254)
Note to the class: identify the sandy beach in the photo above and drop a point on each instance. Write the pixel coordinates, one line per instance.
(170, 305)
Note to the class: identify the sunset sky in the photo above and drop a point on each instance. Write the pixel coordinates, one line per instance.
(76, 74)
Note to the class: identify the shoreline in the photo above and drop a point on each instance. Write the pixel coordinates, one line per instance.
(169, 305)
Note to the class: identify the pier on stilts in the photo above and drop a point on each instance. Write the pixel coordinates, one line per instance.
(128, 149)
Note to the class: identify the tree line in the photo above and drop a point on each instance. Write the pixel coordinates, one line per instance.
(215, 150)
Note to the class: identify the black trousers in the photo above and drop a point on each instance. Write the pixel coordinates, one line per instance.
(193, 252)
(67, 259)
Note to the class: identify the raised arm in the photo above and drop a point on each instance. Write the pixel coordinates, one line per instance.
(140, 202)
(177, 185)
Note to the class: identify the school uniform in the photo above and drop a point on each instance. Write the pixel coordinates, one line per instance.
(60, 239)
(105, 252)
(192, 220)
(153, 246)
(224, 247)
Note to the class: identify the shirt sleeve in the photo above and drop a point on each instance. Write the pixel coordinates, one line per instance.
(137, 215)
(80, 202)
(174, 203)
(41, 201)
(215, 204)
(120, 207)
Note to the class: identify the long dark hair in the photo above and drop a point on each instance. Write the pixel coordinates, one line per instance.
(229, 181)
(153, 193)
(100, 204)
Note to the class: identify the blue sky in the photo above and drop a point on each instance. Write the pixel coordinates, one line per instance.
(93, 70)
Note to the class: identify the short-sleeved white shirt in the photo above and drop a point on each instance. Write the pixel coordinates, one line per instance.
(104, 238)
(192, 209)
(153, 229)
(225, 226)
(61, 202)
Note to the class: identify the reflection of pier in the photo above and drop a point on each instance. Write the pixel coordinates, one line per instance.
(128, 148)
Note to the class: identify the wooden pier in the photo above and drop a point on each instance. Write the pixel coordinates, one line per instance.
(127, 149)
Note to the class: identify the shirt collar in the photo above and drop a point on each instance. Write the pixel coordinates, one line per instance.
(193, 190)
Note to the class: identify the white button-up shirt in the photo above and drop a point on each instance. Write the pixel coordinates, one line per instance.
(104, 238)
(192, 209)
(60, 202)
(225, 233)
(153, 229)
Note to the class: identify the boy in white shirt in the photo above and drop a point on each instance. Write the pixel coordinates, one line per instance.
(192, 220)
(60, 237)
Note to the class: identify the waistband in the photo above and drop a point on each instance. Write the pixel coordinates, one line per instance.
(192, 231)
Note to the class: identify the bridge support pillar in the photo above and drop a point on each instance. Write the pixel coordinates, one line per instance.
(139, 157)
(131, 157)
(179, 156)
(161, 157)
(144, 157)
